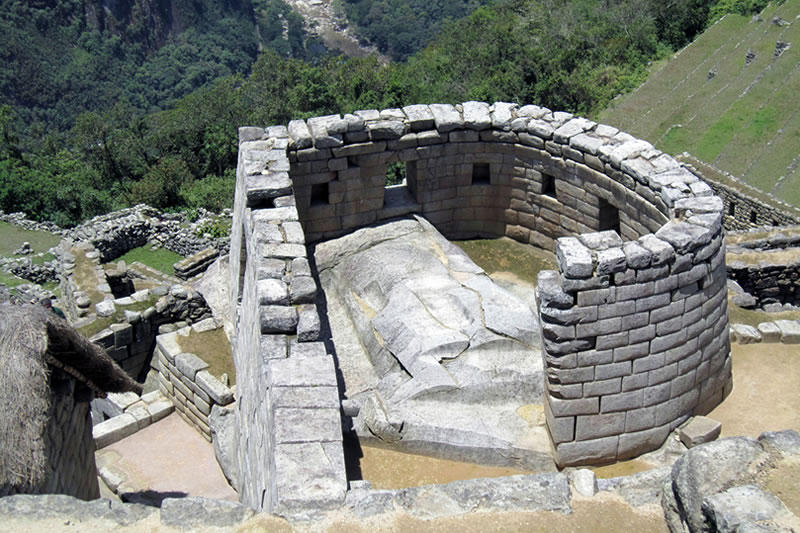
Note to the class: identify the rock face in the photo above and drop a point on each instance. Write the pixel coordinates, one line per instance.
(720, 486)
(436, 329)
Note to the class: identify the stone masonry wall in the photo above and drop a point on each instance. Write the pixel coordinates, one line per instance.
(184, 379)
(291, 460)
(624, 366)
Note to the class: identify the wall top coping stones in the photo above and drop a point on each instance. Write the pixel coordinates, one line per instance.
(693, 214)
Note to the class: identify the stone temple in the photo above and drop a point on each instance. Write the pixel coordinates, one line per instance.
(618, 347)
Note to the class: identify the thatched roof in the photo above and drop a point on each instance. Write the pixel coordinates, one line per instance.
(32, 341)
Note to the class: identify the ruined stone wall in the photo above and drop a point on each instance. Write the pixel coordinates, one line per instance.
(635, 320)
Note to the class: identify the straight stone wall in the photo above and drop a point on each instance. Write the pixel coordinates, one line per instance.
(536, 176)
(291, 460)
(184, 379)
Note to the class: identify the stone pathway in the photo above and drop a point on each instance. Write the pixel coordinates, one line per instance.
(167, 459)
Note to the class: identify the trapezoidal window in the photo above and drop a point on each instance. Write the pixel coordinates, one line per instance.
(548, 185)
(481, 174)
(609, 217)
(753, 217)
(732, 209)
(319, 194)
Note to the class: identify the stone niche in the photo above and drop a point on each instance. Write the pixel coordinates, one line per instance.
(634, 322)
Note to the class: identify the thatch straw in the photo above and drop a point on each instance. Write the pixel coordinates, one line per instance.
(30, 337)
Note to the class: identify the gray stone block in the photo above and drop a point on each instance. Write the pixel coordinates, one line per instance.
(292, 425)
(218, 392)
(307, 480)
(306, 397)
(300, 371)
(308, 324)
(770, 332)
(729, 509)
(600, 425)
(574, 259)
(587, 452)
(699, 430)
(195, 512)
(303, 289)
(790, 331)
(278, 319)
(114, 429)
(189, 364)
(272, 292)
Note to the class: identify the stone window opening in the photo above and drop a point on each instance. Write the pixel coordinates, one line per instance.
(481, 174)
(609, 217)
(753, 217)
(319, 194)
(401, 184)
(732, 209)
(548, 185)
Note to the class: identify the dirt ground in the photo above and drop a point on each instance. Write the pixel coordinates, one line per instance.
(766, 390)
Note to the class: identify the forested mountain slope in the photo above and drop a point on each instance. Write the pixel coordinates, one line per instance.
(62, 57)
(730, 99)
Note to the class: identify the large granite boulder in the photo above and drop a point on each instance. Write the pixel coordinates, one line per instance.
(451, 356)
(723, 485)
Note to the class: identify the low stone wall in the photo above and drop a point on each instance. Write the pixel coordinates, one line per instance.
(782, 331)
(744, 211)
(183, 378)
(769, 282)
(116, 233)
(125, 414)
(195, 264)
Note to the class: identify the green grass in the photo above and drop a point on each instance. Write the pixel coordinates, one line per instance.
(10, 280)
(160, 259)
(745, 120)
(118, 317)
(507, 255)
(12, 237)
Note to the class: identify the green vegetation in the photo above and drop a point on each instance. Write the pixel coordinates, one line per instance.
(507, 255)
(399, 29)
(101, 323)
(160, 259)
(99, 115)
(214, 348)
(740, 117)
(10, 280)
(12, 237)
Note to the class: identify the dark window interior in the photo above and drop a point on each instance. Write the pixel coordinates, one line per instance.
(548, 185)
(319, 194)
(481, 174)
(609, 217)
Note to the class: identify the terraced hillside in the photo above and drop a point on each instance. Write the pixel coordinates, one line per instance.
(731, 98)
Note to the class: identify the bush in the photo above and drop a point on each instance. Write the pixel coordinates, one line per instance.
(214, 193)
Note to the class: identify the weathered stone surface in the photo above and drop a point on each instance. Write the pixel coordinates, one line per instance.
(574, 259)
(308, 323)
(195, 512)
(446, 116)
(189, 364)
(769, 331)
(585, 482)
(214, 388)
(541, 492)
(477, 115)
(105, 308)
(273, 292)
(790, 331)
(278, 319)
(309, 479)
(727, 510)
(225, 438)
(745, 334)
(114, 429)
(699, 430)
(41, 506)
(701, 473)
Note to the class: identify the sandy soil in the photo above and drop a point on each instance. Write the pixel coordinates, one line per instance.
(169, 459)
(766, 390)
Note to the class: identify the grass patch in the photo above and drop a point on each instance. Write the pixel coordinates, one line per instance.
(85, 276)
(12, 237)
(42, 259)
(214, 348)
(10, 280)
(507, 255)
(101, 323)
(737, 315)
(160, 259)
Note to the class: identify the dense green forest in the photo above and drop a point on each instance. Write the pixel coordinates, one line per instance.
(400, 28)
(153, 144)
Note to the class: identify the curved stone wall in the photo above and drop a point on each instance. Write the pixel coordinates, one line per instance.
(635, 320)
